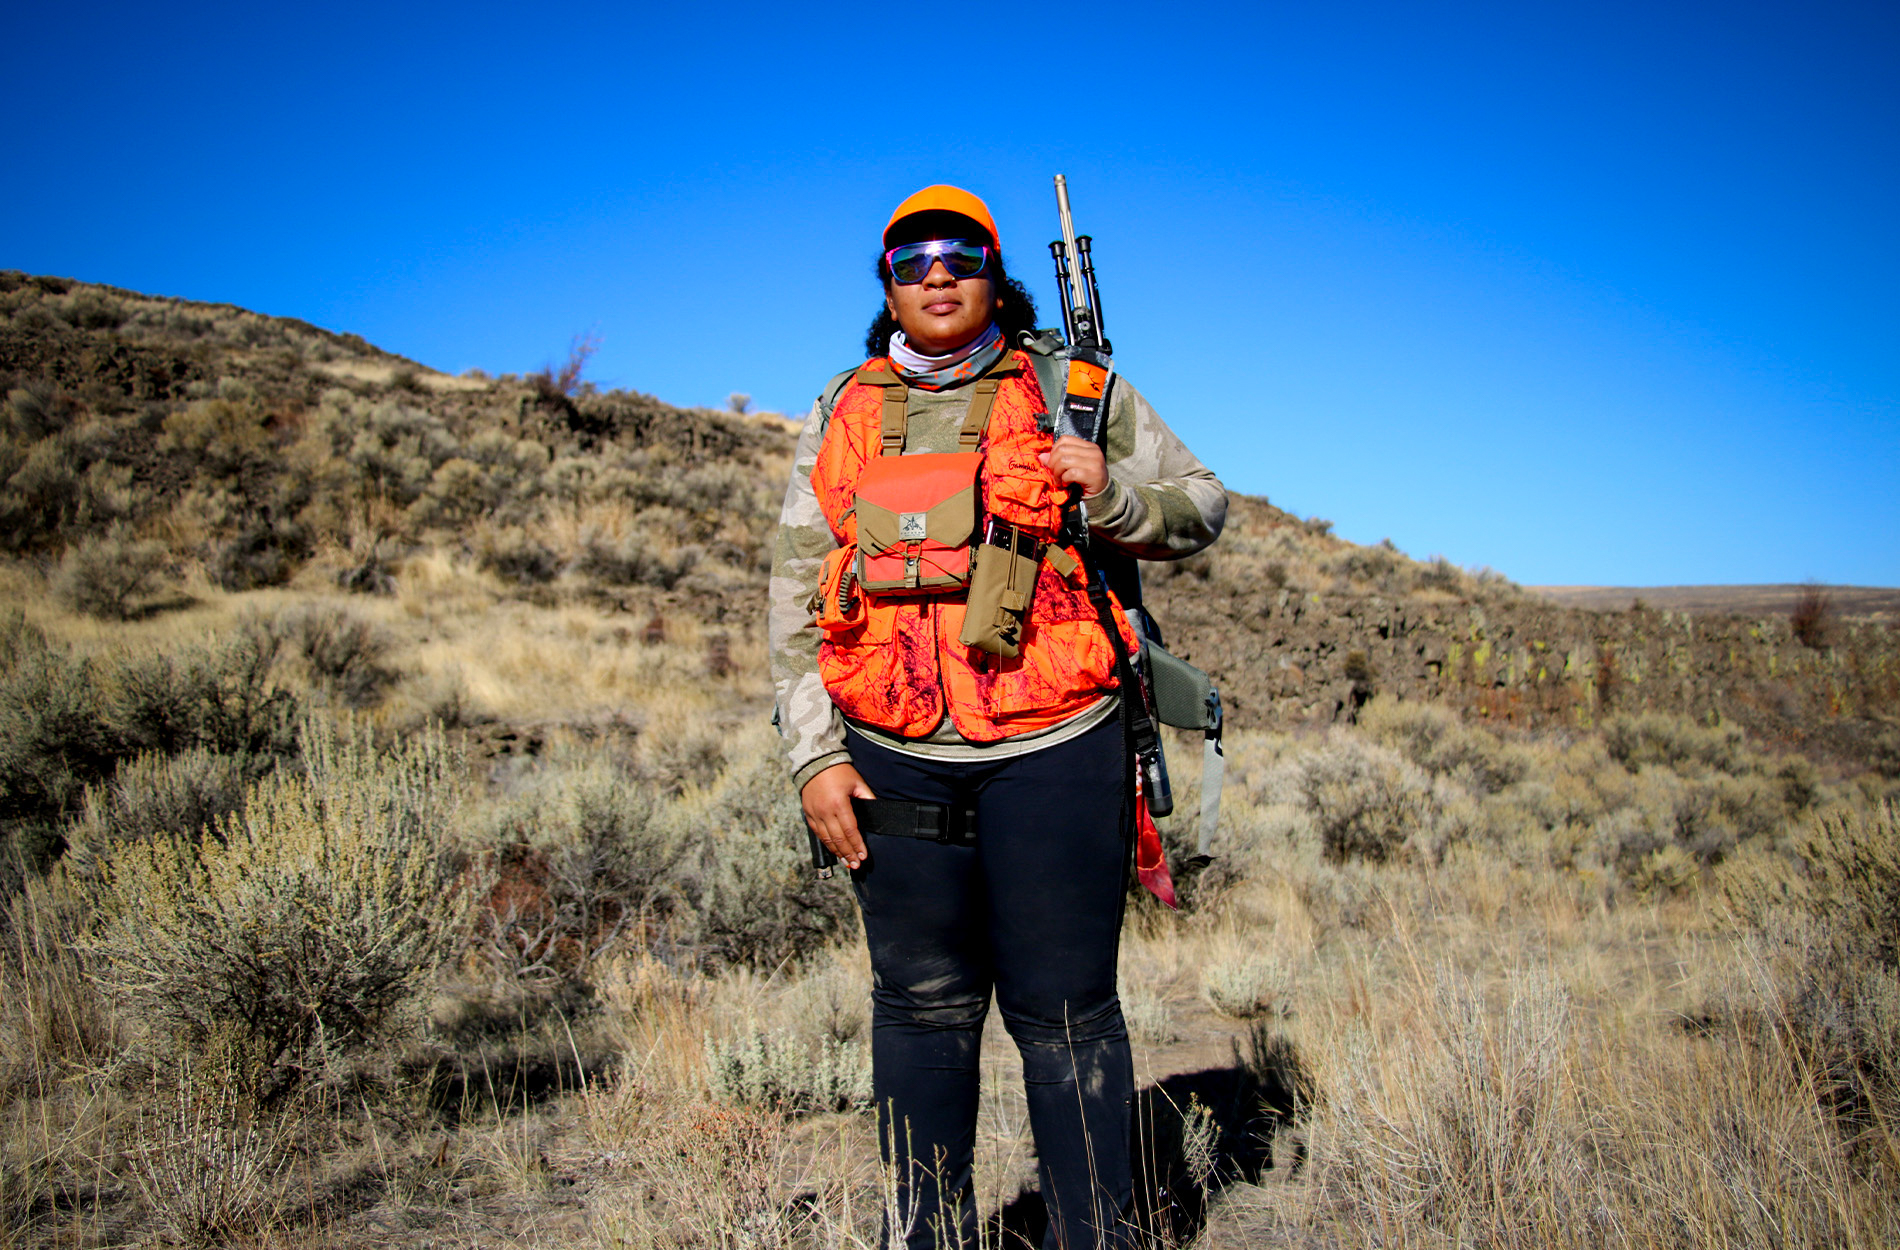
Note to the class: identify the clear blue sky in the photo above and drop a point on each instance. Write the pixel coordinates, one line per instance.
(1590, 294)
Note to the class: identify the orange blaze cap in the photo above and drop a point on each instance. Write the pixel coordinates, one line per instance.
(945, 199)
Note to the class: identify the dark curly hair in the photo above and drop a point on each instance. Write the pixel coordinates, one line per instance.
(1018, 312)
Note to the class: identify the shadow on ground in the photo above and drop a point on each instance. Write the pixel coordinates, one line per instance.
(1195, 1134)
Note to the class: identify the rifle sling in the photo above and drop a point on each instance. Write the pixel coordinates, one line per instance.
(1141, 727)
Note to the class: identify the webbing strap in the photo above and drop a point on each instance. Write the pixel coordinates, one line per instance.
(895, 420)
(1213, 769)
(894, 415)
(899, 818)
(982, 399)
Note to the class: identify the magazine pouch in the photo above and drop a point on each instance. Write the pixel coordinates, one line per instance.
(1007, 563)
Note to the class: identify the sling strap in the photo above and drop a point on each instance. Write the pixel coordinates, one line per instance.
(1151, 859)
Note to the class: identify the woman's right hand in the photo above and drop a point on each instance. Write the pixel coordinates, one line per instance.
(826, 799)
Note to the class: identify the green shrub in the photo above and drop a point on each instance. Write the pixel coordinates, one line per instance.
(397, 449)
(1149, 1018)
(343, 653)
(258, 555)
(54, 737)
(1367, 802)
(788, 1074)
(580, 864)
(1835, 930)
(105, 577)
(154, 794)
(37, 411)
(1438, 740)
(219, 696)
(513, 553)
(67, 723)
(42, 492)
(635, 559)
(1675, 741)
(91, 310)
(218, 437)
(748, 878)
(458, 493)
(309, 927)
(1247, 987)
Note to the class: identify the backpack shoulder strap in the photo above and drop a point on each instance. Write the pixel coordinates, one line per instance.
(1051, 369)
(828, 397)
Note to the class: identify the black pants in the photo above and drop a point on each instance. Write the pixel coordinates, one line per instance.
(1032, 910)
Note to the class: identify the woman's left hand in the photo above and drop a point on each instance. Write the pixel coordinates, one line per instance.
(1077, 461)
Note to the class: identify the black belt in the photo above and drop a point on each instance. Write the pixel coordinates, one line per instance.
(933, 822)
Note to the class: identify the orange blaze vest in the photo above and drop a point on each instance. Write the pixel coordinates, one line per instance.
(900, 668)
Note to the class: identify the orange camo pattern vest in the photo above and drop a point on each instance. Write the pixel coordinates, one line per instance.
(901, 668)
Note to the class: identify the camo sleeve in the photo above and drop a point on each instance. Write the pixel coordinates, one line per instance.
(808, 721)
(1161, 503)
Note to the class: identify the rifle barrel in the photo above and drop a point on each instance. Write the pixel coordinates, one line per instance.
(1073, 294)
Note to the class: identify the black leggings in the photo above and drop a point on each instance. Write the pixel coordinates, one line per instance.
(1033, 910)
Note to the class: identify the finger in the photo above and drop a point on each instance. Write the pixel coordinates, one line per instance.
(853, 837)
(842, 837)
(850, 841)
(848, 848)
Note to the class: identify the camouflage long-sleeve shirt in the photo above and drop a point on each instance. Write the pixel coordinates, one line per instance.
(1160, 504)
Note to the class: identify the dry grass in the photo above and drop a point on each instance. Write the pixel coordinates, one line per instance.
(1627, 983)
(1487, 1010)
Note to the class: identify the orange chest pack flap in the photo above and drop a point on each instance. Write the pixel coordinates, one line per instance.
(916, 515)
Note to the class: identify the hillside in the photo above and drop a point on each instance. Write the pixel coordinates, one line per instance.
(1867, 602)
(395, 850)
(257, 449)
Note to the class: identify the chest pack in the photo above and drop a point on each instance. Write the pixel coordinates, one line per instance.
(921, 526)
(917, 514)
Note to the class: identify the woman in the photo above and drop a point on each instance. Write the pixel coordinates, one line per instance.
(998, 724)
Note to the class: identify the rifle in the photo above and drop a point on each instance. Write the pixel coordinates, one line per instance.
(1173, 692)
(1083, 414)
(1081, 326)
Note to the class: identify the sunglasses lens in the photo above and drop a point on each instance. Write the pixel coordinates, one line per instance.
(964, 260)
(911, 262)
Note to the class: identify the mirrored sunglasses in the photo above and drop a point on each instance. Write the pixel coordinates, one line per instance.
(961, 259)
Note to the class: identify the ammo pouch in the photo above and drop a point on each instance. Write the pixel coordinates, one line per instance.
(838, 605)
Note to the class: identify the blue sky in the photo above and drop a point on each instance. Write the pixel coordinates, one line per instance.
(1601, 295)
